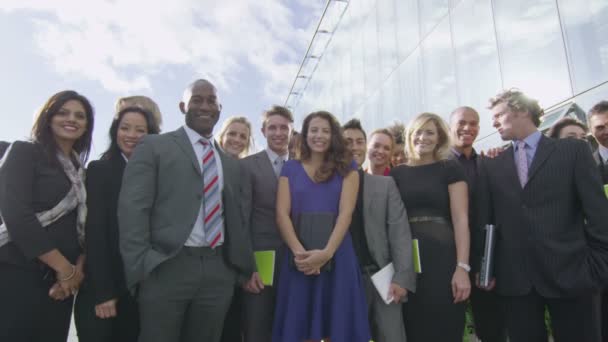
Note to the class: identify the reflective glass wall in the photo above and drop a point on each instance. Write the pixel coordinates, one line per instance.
(389, 60)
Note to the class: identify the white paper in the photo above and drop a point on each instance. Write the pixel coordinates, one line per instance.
(382, 281)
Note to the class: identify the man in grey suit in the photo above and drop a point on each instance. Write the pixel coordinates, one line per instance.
(182, 237)
(261, 172)
(545, 197)
(381, 235)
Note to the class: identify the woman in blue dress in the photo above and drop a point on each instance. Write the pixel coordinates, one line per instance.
(320, 294)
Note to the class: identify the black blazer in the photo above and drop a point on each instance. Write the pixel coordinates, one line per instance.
(104, 268)
(601, 165)
(553, 233)
(30, 183)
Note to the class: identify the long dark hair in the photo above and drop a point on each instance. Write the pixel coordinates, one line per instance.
(43, 134)
(337, 159)
(113, 150)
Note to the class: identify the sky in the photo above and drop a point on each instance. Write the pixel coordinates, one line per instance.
(106, 49)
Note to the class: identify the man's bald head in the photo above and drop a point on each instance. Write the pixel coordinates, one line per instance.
(201, 106)
(198, 83)
(464, 126)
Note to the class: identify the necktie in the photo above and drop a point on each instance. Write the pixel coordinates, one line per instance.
(522, 163)
(212, 204)
(278, 165)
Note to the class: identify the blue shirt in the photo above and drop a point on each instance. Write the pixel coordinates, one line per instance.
(531, 146)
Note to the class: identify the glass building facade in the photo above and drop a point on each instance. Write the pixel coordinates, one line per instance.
(387, 60)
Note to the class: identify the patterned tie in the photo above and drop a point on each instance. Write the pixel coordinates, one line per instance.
(212, 201)
(522, 163)
(278, 165)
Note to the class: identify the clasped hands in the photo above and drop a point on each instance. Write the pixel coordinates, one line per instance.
(68, 282)
(310, 262)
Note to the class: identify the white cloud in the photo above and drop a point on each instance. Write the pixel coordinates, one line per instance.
(124, 44)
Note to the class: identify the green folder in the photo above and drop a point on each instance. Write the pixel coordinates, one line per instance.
(416, 256)
(606, 189)
(264, 261)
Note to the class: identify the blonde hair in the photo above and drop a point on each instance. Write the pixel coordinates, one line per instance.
(236, 119)
(517, 101)
(142, 102)
(443, 145)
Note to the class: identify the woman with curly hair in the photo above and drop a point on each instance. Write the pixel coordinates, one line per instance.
(320, 294)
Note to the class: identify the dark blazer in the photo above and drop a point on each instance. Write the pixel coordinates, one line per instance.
(30, 183)
(104, 269)
(601, 165)
(160, 199)
(552, 234)
(259, 201)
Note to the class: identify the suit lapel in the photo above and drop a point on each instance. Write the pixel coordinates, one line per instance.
(181, 139)
(266, 168)
(543, 151)
(596, 156)
(509, 166)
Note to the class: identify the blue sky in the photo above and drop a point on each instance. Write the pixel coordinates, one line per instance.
(251, 49)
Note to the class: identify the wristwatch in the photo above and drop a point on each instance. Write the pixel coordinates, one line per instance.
(464, 266)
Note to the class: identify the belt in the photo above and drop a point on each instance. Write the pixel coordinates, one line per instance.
(202, 251)
(436, 219)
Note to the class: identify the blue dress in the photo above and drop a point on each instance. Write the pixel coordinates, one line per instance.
(332, 304)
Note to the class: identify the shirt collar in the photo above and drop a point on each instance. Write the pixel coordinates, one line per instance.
(603, 151)
(459, 155)
(272, 155)
(531, 140)
(194, 137)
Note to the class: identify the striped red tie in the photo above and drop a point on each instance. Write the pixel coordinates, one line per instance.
(213, 221)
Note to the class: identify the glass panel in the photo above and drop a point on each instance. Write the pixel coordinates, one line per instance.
(357, 59)
(431, 13)
(590, 98)
(387, 40)
(532, 50)
(439, 78)
(371, 57)
(411, 96)
(389, 103)
(585, 23)
(408, 30)
(477, 65)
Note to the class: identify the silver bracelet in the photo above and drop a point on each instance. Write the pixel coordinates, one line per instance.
(70, 276)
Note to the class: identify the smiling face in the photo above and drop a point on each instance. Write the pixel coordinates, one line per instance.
(319, 135)
(202, 108)
(277, 130)
(464, 127)
(425, 139)
(69, 123)
(598, 124)
(398, 156)
(133, 126)
(235, 139)
(379, 150)
(356, 143)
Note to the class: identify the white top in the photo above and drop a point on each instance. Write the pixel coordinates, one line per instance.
(197, 236)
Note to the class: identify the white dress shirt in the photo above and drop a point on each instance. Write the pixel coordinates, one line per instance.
(197, 236)
(603, 150)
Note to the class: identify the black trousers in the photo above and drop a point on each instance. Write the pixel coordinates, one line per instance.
(488, 315)
(27, 313)
(572, 319)
(122, 328)
(233, 323)
(604, 315)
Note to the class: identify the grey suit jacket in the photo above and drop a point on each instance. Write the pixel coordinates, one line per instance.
(258, 200)
(160, 199)
(552, 234)
(387, 228)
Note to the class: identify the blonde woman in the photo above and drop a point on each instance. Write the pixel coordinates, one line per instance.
(435, 194)
(142, 102)
(235, 137)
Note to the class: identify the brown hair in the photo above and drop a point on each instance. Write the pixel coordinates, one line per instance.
(443, 145)
(397, 130)
(599, 108)
(517, 101)
(557, 127)
(337, 159)
(386, 132)
(276, 110)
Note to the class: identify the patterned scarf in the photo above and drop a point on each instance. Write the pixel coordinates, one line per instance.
(75, 198)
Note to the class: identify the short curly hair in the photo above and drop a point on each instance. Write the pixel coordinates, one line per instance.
(517, 101)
